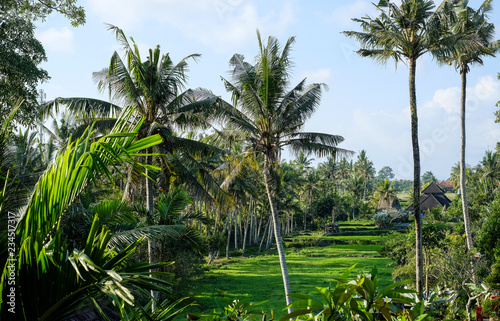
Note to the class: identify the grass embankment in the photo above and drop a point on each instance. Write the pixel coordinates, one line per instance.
(312, 261)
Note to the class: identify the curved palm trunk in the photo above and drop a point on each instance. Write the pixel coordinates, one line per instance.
(276, 223)
(468, 235)
(416, 178)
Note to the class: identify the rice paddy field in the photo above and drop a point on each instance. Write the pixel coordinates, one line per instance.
(313, 260)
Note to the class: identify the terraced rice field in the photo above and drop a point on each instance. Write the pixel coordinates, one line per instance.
(313, 260)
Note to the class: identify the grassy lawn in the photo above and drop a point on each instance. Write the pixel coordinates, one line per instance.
(259, 277)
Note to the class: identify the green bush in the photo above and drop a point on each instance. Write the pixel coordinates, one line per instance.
(382, 220)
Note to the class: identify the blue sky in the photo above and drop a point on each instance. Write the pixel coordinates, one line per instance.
(367, 103)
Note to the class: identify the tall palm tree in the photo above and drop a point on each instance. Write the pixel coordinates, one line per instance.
(386, 192)
(406, 33)
(344, 172)
(268, 116)
(329, 170)
(310, 188)
(154, 88)
(355, 184)
(470, 21)
(364, 168)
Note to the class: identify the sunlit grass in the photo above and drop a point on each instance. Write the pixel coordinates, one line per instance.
(259, 277)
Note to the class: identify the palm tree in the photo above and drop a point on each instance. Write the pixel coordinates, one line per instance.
(386, 192)
(329, 170)
(469, 21)
(153, 87)
(267, 116)
(355, 184)
(303, 162)
(344, 172)
(406, 33)
(490, 170)
(364, 167)
(310, 187)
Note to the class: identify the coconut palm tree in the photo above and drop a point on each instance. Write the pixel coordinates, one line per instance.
(344, 172)
(386, 192)
(405, 33)
(470, 21)
(329, 170)
(490, 171)
(355, 185)
(364, 168)
(310, 187)
(154, 88)
(268, 116)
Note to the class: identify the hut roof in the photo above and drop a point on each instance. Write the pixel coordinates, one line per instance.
(393, 203)
(433, 188)
(432, 196)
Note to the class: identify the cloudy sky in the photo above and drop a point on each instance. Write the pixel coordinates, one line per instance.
(367, 103)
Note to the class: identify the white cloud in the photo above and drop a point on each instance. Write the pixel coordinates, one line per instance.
(484, 93)
(216, 23)
(386, 135)
(59, 40)
(447, 99)
(318, 76)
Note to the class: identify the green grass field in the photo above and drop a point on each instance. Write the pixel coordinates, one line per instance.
(259, 277)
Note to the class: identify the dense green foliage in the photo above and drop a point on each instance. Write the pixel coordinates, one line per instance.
(168, 174)
(22, 53)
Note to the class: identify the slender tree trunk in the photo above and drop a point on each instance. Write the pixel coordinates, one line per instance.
(251, 228)
(259, 229)
(305, 218)
(426, 259)
(264, 235)
(468, 235)
(150, 208)
(217, 251)
(245, 235)
(128, 186)
(416, 178)
(279, 243)
(270, 234)
(228, 234)
(235, 231)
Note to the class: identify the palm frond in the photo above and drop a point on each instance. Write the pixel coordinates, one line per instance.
(318, 144)
(81, 107)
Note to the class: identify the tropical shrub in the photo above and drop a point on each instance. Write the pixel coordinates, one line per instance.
(352, 298)
(382, 220)
(46, 280)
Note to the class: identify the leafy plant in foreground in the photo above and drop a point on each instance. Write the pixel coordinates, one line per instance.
(47, 280)
(350, 297)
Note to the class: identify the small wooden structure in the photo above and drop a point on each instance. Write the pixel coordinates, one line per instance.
(432, 196)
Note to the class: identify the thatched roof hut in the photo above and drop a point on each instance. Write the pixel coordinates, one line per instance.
(432, 197)
(393, 203)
